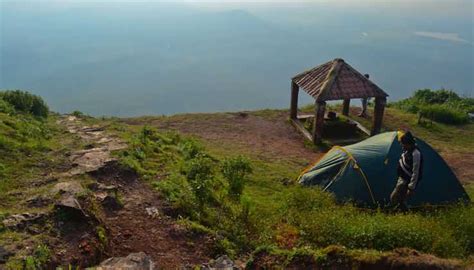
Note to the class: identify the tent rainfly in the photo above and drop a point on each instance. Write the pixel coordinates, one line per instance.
(366, 173)
(334, 80)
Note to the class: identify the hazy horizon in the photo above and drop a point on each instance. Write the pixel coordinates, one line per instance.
(164, 57)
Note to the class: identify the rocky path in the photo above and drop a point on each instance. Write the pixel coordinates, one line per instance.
(133, 213)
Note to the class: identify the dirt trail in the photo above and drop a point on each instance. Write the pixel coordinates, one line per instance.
(140, 225)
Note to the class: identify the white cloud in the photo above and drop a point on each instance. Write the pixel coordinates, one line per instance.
(454, 37)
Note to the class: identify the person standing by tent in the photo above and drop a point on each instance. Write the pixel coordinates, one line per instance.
(410, 169)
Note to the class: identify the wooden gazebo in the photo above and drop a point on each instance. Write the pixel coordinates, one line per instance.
(334, 80)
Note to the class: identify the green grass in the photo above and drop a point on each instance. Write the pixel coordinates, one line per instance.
(30, 148)
(454, 139)
(272, 209)
(274, 213)
(33, 148)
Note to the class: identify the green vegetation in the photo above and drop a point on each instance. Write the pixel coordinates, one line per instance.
(39, 259)
(245, 199)
(102, 236)
(198, 186)
(235, 171)
(32, 145)
(23, 102)
(442, 106)
(203, 184)
(335, 256)
(24, 138)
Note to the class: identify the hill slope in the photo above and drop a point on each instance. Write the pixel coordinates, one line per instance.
(134, 180)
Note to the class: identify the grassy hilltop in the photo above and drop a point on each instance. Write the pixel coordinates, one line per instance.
(228, 178)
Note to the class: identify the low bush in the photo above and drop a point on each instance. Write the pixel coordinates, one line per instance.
(6, 107)
(77, 113)
(442, 106)
(443, 113)
(201, 179)
(235, 171)
(25, 102)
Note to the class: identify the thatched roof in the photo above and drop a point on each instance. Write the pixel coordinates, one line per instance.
(337, 80)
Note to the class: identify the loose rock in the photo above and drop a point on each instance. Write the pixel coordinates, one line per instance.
(70, 187)
(70, 206)
(221, 263)
(134, 261)
(101, 187)
(21, 221)
(152, 212)
(38, 201)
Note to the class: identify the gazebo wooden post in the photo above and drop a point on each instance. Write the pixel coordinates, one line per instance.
(378, 114)
(294, 100)
(319, 122)
(345, 107)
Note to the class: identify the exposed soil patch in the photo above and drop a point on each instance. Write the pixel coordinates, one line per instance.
(265, 137)
(136, 228)
(462, 165)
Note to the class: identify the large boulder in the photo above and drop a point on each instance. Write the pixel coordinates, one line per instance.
(134, 261)
(69, 207)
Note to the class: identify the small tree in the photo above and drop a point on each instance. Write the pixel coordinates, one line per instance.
(235, 171)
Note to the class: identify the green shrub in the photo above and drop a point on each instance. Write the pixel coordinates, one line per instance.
(201, 178)
(77, 113)
(6, 107)
(443, 114)
(38, 260)
(102, 235)
(25, 102)
(179, 193)
(190, 149)
(442, 106)
(235, 171)
(428, 96)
